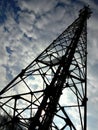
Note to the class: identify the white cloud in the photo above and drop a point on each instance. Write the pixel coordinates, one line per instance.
(26, 21)
(39, 7)
(41, 22)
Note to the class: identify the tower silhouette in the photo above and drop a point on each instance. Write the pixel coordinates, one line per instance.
(51, 92)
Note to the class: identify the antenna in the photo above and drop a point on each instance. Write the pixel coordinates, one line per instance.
(51, 92)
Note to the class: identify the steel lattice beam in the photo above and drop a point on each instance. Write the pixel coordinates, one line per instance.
(60, 71)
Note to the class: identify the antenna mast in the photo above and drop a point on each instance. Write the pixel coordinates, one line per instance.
(37, 96)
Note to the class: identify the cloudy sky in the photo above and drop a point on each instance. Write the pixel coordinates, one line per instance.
(27, 27)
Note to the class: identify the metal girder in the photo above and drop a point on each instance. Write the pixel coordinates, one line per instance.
(35, 98)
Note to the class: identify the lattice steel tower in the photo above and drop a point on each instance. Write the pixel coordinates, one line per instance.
(51, 92)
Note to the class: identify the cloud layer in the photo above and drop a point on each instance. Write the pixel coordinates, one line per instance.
(28, 27)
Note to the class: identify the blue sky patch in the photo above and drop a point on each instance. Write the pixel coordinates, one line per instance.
(8, 50)
(60, 4)
(27, 37)
(96, 1)
(8, 7)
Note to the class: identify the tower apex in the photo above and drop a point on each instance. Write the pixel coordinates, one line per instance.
(85, 11)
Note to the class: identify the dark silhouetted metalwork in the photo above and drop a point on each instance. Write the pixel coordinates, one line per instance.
(51, 92)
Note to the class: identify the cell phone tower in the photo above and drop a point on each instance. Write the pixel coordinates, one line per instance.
(51, 92)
